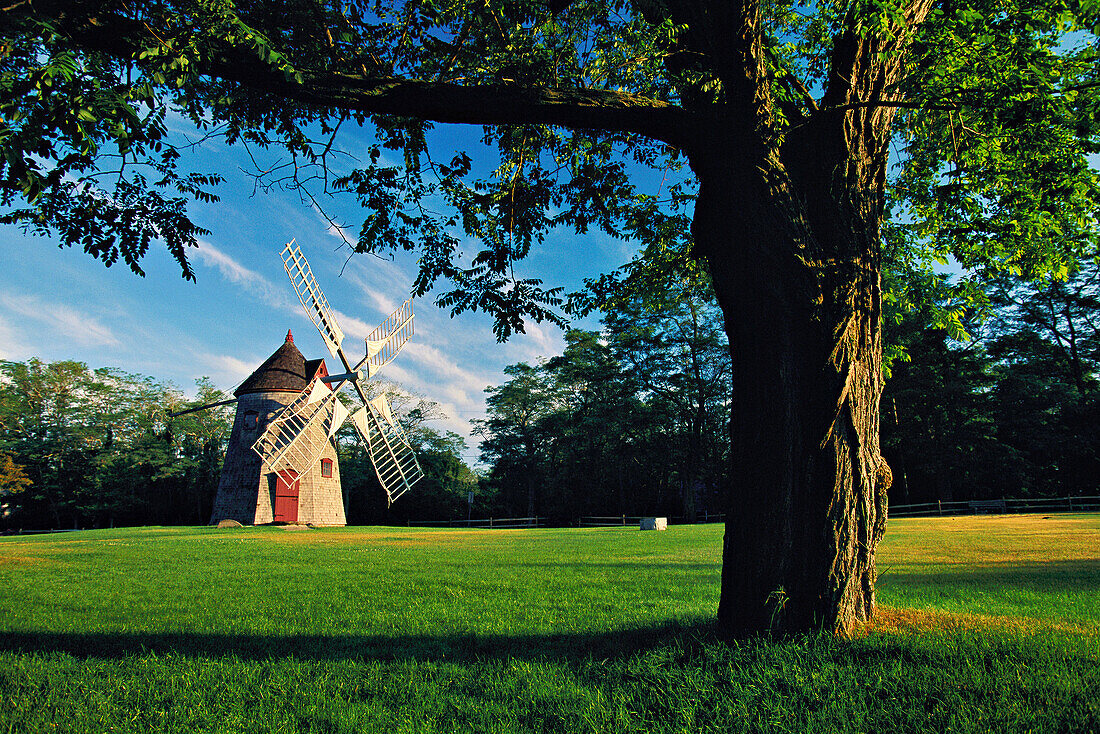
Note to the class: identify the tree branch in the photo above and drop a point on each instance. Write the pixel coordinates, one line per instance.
(479, 104)
(483, 104)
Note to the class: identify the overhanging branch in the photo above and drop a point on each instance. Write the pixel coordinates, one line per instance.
(483, 104)
(488, 104)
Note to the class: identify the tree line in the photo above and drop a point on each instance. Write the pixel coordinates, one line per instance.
(83, 448)
(633, 420)
(94, 447)
(1007, 406)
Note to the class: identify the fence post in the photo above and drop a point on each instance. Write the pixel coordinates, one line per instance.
(939, 507)
(490, 522)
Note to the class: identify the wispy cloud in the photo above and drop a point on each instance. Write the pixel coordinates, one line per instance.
(354, 328)
(382, 282)
(10, 345)
(459, 391)
(546, 341)
(60, 319)
(248, 279)
(226, 369)
(444, 366)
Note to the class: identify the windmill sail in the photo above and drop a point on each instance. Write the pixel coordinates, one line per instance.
(297, 435)
(389, 450)
(386, 341)
(301, 277)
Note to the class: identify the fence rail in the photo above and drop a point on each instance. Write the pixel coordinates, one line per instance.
(589, 521)
(596, 521)
(1009, 505)
(492, 522)
(920, 509)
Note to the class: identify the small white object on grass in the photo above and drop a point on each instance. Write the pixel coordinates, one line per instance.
(653, 523)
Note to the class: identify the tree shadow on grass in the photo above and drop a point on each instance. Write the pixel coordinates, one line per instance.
(683, 638)
(1045, 577)
(460, 647)
(670, 646)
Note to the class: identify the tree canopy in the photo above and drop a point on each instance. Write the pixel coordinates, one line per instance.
(995, 101)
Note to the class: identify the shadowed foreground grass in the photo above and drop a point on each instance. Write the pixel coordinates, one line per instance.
(991, 624)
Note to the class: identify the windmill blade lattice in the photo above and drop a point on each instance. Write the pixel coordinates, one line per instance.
(313, 300)
(295, 438)
(394, 462)
(386, 341)
(297, 435)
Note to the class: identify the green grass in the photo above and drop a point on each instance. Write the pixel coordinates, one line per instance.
(1039, 567)
(990, 624)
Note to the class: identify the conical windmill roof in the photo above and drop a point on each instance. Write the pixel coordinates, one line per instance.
(287, 370)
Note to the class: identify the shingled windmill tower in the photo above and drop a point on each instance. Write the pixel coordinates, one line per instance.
(248, 491)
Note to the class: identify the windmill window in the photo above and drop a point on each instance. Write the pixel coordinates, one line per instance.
(251, 420)
(326, 467)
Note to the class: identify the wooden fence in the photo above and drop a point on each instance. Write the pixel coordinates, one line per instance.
(492, 522)
(606, 521)
(589, 521)
(922, 509)
(1003, 505)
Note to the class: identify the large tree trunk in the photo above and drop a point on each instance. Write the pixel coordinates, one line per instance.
(801, 296)
(790, 226)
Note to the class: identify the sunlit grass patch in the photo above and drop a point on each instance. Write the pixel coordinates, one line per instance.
(1035, 566)
(889, 620)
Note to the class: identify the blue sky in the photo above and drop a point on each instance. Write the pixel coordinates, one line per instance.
(62, 304)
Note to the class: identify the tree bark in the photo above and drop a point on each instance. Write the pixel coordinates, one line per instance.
(807, 504)
(791, 231)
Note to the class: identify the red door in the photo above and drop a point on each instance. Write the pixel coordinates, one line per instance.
(286, 496)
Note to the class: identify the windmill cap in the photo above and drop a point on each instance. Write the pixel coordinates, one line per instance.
(286, 370)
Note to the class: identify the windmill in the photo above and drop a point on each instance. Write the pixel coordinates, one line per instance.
(290, 472)
(294, 438)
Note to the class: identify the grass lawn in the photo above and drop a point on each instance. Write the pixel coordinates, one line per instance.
(988, 624)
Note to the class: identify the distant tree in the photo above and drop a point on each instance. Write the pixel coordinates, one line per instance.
(1063, 314)
(938, 427)
(589, 429)
(664, 324)
(12, 477)
(440, 495)
(200, 438)
(512, 438)
(1046, 341)
(45, 425)
(1003, 406)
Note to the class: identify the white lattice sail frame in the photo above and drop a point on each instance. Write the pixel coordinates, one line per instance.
(313, 300)
(394, 461)
(386, 341)
(295, 438)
